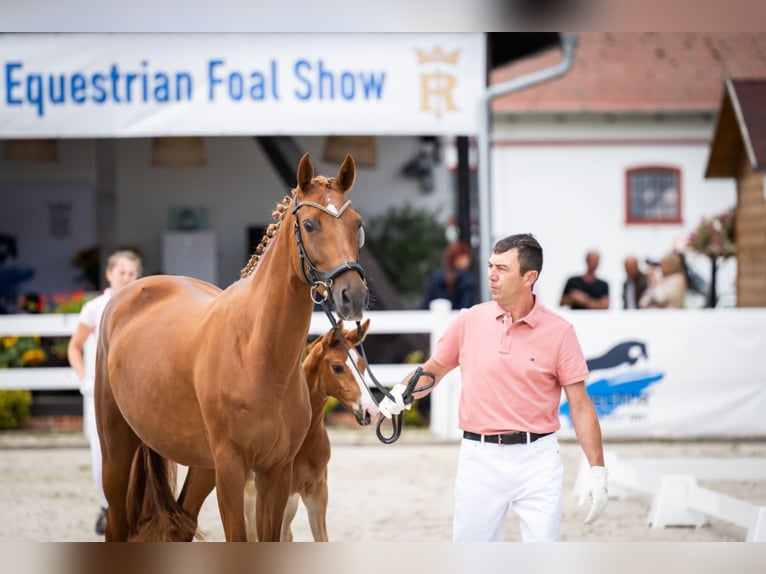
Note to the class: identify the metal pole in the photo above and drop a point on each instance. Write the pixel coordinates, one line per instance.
(483, 142)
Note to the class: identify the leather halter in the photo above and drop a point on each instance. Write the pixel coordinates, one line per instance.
(316, 277)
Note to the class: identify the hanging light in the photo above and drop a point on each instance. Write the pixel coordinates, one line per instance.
(178, 152)
(32, 150)
(364, 150)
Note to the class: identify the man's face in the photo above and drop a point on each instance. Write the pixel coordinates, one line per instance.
(506, 282)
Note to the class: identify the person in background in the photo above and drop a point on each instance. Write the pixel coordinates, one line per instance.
(635, 284)
(454, 280)
(586, 291)
(122, 268)
(666, 290)
(515, 358)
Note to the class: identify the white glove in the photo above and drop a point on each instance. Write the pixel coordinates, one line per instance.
(595, 490)
(87, 384)
(388, 407)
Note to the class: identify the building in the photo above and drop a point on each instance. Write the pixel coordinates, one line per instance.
(613, 154)
(738, 152)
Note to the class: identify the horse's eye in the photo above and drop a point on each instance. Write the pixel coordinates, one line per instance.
(308, 225)
(337, 368)
(361, 237)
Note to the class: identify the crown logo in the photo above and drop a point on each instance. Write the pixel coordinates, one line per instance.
(437, 56)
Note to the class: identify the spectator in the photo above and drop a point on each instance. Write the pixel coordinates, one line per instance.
(668, 288)
(586, 291)
(122, 268)
(453, 280)
(635, 284)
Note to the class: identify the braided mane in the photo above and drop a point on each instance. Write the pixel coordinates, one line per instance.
(271, 230)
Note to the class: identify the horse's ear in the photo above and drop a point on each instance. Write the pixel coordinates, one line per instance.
(305, 173)
(352, 335)
(330, 338)
(346, 174)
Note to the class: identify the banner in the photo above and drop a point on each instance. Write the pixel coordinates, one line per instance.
(674, 373)
(142, 85)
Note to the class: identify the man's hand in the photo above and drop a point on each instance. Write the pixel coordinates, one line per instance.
(388, 407)
(596, 492)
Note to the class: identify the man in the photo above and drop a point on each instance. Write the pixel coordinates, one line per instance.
(636, 282)
(122, 268)
(515, 356)
(586, 291)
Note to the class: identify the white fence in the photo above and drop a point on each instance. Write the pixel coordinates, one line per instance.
(432, 323)
(684, 373)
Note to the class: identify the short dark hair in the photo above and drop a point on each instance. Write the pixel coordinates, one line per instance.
(530, 251)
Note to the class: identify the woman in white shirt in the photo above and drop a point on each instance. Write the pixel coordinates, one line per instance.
(667, 291)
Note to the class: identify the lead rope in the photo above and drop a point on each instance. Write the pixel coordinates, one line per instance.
(407, 395)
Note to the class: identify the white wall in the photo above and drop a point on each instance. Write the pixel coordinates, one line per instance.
(565, 183)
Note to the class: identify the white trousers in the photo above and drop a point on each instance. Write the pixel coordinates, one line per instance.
(89, 428)
(492, 477)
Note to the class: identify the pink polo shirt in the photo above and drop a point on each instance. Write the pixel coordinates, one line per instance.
(512, 373)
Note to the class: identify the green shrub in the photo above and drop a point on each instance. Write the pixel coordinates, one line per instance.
(409, 243)
(14, 408)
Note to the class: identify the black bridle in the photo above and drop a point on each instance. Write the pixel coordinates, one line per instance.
(317, 278)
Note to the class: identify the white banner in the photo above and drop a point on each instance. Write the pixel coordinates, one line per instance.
(674, 373)
(142, 85)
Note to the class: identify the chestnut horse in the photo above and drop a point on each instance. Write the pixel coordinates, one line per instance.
(213, 379)
(329, 373)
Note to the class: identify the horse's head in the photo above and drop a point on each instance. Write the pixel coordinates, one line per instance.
(341, 379)
(329, 234)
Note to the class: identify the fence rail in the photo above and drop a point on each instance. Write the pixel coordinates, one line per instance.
(63, 325)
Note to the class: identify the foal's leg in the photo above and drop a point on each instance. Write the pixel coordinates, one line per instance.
(290, 510)
(315, 500)
(250, 505)
(198, 485)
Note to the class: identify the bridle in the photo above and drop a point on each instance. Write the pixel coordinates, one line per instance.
(317, 278)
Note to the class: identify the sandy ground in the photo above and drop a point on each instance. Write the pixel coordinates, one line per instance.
(378, 493)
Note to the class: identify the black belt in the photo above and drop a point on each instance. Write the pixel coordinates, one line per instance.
(506, 438)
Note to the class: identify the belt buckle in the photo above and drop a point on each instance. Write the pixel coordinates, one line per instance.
(508, 441)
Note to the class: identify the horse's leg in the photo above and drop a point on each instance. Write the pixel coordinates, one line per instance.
(315, 500)
(230, 476)
(118, 446)
(273, 488)
(290, 510)
(198, 485)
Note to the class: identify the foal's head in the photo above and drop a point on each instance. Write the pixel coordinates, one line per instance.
(337, 377)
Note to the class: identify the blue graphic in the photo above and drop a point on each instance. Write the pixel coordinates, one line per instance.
(627, 385)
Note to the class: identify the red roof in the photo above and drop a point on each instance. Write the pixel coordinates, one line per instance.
(638, 72)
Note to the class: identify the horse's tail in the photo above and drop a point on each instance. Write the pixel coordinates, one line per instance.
(153, 512)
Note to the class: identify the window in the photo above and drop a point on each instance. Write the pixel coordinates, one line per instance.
(653, 195)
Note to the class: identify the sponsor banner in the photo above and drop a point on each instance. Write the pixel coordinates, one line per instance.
(141, 85)
(674, 373)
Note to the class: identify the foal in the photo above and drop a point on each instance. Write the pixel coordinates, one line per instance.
(328, 374)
